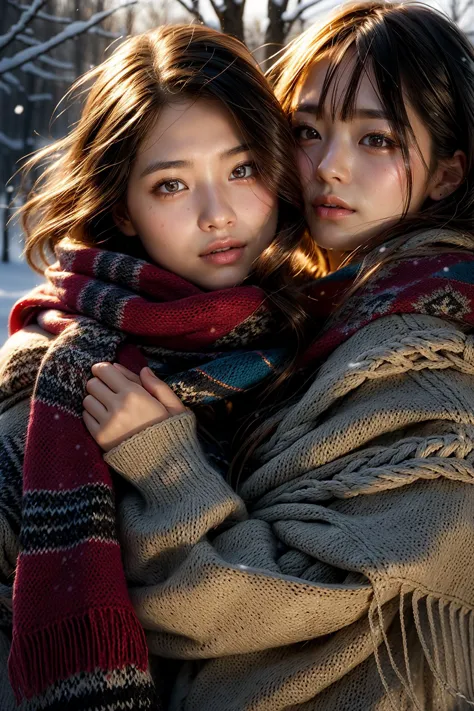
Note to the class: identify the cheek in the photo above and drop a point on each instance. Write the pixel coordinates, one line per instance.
(257, 206)
(384, 179)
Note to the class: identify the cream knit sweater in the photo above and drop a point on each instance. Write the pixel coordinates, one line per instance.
(341, 575)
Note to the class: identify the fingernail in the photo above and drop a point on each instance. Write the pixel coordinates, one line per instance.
(149, 371)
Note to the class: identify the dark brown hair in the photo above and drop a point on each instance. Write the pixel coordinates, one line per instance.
(417, 56)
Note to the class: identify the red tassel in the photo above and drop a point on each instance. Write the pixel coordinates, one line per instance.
(104, 639)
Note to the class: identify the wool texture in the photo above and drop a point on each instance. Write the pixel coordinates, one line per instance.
(339, 573)
(71, 609)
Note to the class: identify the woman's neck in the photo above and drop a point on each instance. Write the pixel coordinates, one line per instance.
(335, 258)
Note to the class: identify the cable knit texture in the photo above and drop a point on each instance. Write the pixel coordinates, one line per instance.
(341, 575)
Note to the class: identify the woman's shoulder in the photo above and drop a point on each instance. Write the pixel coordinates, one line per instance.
(21, 339)
(391, 358)
(16, 377)
(396, 332)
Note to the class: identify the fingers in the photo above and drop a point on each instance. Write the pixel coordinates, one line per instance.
(127, 373)
(100, 391)
(161, 391)
(111, 376)
(91, 424)
(94, 408)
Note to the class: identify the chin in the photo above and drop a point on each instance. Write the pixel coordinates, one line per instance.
(337, 242)
(332, 237)
(225, 282)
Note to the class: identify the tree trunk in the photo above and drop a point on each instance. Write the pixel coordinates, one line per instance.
(231, 19)
(6, 236)
(275, 34)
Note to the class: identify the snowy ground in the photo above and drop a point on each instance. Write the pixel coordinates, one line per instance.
(16, 278)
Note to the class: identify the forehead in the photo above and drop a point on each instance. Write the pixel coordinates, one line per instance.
(311, 89)
(190, 124)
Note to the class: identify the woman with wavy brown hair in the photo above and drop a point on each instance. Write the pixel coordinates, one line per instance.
(335, 570)
(173, 208)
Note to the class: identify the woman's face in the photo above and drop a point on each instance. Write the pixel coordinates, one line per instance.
(353, 172)
(195, 197)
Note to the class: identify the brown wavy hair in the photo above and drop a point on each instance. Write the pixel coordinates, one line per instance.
(86, 172)
(417, 56)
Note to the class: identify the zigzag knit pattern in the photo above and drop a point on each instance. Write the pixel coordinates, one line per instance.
(71, 611)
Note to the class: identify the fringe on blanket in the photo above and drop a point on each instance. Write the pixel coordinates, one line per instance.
(445, 631)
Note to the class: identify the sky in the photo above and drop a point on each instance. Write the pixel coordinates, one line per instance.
(257, 8)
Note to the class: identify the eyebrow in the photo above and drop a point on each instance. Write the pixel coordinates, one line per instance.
(157, 165)
(309, 108)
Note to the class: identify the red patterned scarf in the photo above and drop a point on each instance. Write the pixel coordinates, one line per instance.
(72, 612)
(436, 285)
(71, 608)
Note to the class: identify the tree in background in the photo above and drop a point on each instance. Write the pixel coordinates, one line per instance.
(46, 44)
(461, 12)
(279, 23)
(36, 66)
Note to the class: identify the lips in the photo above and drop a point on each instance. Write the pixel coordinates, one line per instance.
(331, 201)
(223, 252)
(330, 207)
(223, 245)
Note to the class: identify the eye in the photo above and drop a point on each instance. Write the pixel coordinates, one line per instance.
(169, 187)
(306, 133)
(246, 170)
(378, 140)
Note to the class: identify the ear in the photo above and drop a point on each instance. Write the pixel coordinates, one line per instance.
(123, 221)
(448, 176)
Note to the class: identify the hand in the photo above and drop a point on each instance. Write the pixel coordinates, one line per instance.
(120, 403)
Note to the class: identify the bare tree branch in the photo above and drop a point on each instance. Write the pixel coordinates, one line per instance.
(22, 23)
(75, 29)
(13, 80)
(42, 15)
(218, 8)
(100, 32)
(5, 87)
(467, 5)
(30, 68)
(193, 9)
(290, 19)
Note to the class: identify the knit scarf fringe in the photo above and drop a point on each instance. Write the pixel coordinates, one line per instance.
(445, 630)
(108, 638)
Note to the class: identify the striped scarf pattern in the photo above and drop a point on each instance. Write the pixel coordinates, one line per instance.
(71, 609)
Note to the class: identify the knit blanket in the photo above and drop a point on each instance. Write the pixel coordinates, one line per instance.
(339, 573)
(71, 608)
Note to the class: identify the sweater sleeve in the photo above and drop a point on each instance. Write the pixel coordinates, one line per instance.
(202, 569)
(362, 504)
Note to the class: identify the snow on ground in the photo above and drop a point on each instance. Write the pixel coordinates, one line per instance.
(16, 278)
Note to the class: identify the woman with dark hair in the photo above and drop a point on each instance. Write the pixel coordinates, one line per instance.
(336, 572)
(176, 185)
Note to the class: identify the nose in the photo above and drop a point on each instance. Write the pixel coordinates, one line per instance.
(334, 165)
(216, 212)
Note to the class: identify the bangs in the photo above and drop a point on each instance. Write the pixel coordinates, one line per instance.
(364, 55)
(370, 52)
